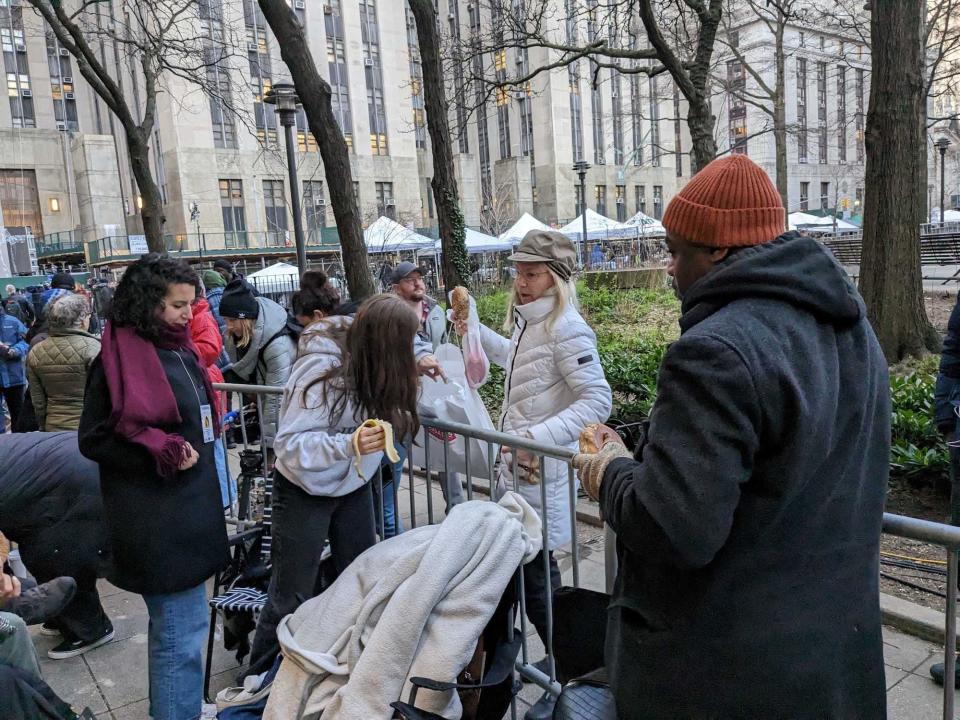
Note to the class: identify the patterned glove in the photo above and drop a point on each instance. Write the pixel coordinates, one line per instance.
(592, 466)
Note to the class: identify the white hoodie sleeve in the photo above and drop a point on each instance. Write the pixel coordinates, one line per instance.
(310, 451)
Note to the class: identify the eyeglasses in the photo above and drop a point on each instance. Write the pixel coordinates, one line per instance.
(531, 276)
(410, 279)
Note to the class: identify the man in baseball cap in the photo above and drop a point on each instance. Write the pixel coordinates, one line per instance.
(748, 520)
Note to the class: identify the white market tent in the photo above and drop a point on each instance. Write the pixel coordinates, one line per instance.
(386, 236)
(647, 225)
(598, 228)
(478, 242)
(521, 227)
(279, 269)
(804, 221)
(280, 277)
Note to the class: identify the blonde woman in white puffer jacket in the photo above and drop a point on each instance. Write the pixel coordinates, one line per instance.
(554, 387)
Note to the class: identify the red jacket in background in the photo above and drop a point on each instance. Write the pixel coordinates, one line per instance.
(206, 336)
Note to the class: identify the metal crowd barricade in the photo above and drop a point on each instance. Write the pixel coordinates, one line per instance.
(417, 477)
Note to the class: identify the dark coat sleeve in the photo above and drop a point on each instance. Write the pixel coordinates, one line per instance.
(97, 439)
(948, 381)
(678, 502)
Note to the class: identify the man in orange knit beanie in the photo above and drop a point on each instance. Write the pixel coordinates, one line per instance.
(748, 519)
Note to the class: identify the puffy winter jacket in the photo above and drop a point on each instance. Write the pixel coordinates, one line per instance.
(314, 450)
(267, 360)
(57, 370)
(206, 336)
(554, 388)
(12, 334)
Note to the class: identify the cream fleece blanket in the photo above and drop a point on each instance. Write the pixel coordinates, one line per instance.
(413, 605)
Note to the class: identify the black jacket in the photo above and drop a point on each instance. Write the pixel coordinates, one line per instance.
(165, 535)
(947, 396)
(50, 505)
(749, 531)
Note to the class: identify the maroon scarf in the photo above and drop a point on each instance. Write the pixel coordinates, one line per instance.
(140, 393)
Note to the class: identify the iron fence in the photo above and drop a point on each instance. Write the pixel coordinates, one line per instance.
(434, 470)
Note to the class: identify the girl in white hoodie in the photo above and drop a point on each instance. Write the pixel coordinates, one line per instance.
(348, 371)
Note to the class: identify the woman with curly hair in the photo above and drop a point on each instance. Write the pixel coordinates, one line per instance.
(148, 421)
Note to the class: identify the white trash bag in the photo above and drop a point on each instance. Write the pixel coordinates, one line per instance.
(454, 401)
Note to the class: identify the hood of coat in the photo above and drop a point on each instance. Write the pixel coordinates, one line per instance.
(319, 338)
(271, 320)
(793, 269)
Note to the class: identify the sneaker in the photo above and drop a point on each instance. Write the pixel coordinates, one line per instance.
(50, 629)
(936, 672)
(44, 602)
(542, 709)
(72, 647)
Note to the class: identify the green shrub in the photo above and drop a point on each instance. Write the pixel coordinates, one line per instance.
(918, 452)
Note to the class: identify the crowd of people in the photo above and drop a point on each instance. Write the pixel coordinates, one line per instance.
(751, 504)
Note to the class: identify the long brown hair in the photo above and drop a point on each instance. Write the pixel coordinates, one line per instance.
(378, 369)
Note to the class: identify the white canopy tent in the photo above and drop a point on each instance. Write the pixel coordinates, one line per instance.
(386, 236)
(804, 221)
(521, 227)
(478, 242)
(280, 277)
(598, 228)
(647, 225)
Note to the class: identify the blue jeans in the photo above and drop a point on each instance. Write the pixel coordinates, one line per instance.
(390, 525)
(178, 629)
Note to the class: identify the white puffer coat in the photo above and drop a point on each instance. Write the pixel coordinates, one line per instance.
(554, 388)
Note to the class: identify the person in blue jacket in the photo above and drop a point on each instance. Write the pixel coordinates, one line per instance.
(13, 350)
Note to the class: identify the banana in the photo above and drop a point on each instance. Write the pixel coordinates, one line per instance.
(390, 449)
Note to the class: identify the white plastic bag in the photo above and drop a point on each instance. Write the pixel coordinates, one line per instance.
(476, 363)
(454, 401)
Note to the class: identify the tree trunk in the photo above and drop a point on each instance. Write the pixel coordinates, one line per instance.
(700, 122)
(314, 93)
(895, 181)
(151, 213)
(456, 266)
(780, 115)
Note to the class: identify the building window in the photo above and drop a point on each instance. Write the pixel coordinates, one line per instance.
(526, 118)
(483, 138)
(654, 123)
(458, 82)
(315, 207)
(385, 203)
(621, 200)
(860, 127)
(19, 89)
(842, 113)
(373, 74)
(275, 207)
(824, 195)
(858, 202)
(801, 107)
(416, 81)
(616, 108)
(657, 201)
(578, 206)
(804, 196)
(822, 110)
(306, 142)
(637, 129)
(576, 113)
(596, 106)
(736, 86)
(503, 122)
(232, 210)
(337, 67)
(600, 198)
(640, 196)
(62, 86)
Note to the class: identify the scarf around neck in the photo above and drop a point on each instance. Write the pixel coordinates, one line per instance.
(141, 397)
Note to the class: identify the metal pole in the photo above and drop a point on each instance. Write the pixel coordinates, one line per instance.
(287, 119)
(583, 215)
(950, 651)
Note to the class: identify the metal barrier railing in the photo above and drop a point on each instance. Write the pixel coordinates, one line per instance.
(946, 536)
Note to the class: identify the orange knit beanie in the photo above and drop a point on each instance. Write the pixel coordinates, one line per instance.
(730, 203)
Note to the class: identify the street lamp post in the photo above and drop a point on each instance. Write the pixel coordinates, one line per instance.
(942, 144)
(580, 167)
(284, 96)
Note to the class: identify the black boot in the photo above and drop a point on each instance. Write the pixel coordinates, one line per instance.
(43, 602)
(936, 672)
(543, 708)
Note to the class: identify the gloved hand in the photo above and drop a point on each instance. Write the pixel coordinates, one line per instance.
(593, 465)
